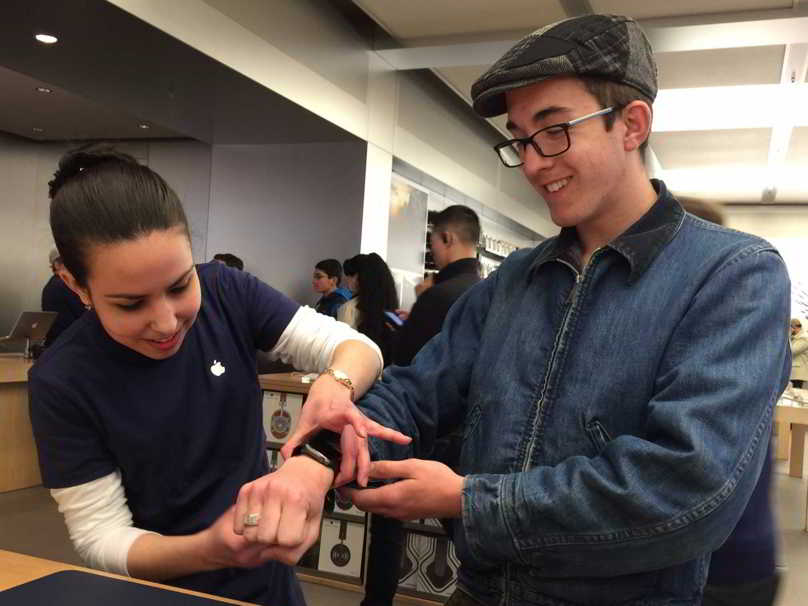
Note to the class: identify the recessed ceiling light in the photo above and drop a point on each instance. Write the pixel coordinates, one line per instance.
(44, 89)
(47, 38)
(144, 126)
(36, 129)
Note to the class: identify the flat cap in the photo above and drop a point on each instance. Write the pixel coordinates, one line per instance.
(606, 46)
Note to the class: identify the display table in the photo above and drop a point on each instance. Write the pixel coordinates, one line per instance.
(791, 414)
(19, 464)
(16, 569)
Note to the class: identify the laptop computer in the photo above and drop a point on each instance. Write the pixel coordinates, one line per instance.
(31, 325)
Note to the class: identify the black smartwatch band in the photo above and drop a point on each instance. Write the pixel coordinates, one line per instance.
(323, 448)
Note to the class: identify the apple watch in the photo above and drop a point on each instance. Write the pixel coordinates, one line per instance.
(323, 448)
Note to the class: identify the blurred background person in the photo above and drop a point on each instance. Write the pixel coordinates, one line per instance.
(56, 296)
(374, 293)
(799, 353)
(743, 570)
(230, 260)
(326, 281)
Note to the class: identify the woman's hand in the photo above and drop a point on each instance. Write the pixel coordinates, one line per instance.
(285, 507)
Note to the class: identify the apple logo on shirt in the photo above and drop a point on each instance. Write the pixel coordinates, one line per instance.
(217, 369)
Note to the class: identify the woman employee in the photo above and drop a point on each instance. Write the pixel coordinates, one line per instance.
(147, 412)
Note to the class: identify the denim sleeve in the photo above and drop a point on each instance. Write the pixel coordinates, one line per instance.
(427, 399)
(688, 478)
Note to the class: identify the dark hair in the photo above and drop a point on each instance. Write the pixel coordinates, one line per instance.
(100, 196)
(460, 220)
(230, 260)
(615, 94)
(350, 267)
(331, 268)
(377, 294)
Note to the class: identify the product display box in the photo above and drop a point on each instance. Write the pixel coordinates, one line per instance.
(344, 506)
(275, 459)
(281, 413)
(341, 547)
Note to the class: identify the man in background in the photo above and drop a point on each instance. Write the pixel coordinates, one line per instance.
(56, 296)
(453, 240)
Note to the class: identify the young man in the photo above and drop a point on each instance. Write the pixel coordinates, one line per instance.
(325, 281)
(615, 384)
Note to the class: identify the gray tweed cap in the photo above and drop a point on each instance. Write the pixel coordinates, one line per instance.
(606, 46)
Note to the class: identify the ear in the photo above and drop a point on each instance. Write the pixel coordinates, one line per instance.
(71, 283)
(447, 237)
(637, 116)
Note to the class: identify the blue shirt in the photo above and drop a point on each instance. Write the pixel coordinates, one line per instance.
(185, 438)
(615, 420)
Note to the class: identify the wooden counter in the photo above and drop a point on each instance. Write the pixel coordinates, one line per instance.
(284, 381)
(792, 421)
(16, 569)
(19, 464)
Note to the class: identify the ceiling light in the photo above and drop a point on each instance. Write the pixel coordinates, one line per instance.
(36, 129)
(144, 126)
(46, 38)
(44, 89)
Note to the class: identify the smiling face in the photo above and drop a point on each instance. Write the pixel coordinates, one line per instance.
(145, 291)
(584, 185)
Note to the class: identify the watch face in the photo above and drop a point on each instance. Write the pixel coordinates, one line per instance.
(340, 555)
(280, 424)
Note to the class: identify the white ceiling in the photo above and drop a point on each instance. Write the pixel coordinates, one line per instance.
(747, 138)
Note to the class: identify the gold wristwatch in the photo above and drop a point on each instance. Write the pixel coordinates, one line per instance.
(341, 377)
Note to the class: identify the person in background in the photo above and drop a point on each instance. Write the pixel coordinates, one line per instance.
(230, 260)
(326, 281)
(56, 296)
(454, 237)
(147, 412)
(615, 384)
(743, 570)
(374, 293)
(799, 353)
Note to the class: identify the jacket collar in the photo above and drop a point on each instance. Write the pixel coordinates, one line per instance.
(456, 268)
(639, 244)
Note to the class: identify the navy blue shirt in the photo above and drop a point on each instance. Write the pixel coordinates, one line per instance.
(184, 437)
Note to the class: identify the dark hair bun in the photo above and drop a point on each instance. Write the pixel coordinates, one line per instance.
(83, 158)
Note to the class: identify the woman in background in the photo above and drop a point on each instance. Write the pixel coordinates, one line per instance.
(374, 290)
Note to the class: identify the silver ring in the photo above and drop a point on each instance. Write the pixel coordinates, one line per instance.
(252, 519)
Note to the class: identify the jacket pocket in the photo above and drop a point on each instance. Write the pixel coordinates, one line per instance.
(598, 435)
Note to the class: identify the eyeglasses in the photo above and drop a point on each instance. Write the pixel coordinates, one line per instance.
(548, 142)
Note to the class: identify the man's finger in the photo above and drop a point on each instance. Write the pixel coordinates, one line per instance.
(374, 500)
(393, 470)
(363, 464)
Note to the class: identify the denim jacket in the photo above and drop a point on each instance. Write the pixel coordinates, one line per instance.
(615, 419)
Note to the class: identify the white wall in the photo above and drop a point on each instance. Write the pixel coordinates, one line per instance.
(283, 208)
(305, 51)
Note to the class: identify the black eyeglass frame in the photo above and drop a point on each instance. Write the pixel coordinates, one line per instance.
(531, 139)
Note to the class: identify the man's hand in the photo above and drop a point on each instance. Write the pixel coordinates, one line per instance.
(426, 489)
(424, 285)
(328, 406)
(287, 505)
